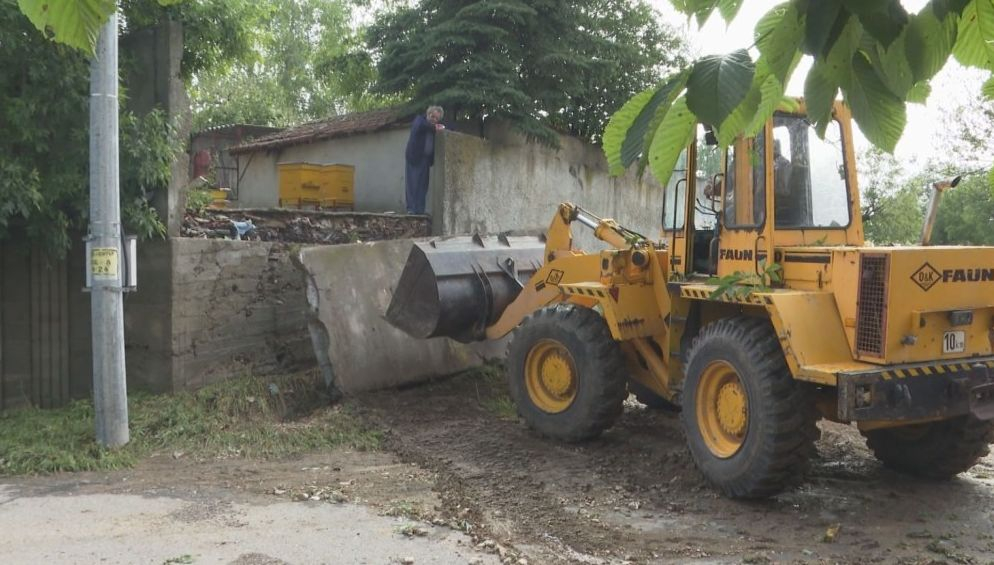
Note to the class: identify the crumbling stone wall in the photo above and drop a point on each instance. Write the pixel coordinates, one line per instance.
(238, 306)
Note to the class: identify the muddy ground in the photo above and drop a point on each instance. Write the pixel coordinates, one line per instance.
(634, 494)
(456, 460)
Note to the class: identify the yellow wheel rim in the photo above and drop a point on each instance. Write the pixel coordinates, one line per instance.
(722, 409)
(550, 376)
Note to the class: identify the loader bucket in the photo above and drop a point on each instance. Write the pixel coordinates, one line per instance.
(456, 287)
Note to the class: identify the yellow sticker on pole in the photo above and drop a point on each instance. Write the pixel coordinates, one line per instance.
(103, 263)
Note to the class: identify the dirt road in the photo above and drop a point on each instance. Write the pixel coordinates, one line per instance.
(635, 495)
(170, 511)
(461, 481)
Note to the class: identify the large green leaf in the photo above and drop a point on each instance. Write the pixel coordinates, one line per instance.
(73, 22)
(763, 98)
(942, 8)
(717, 84)
(736, 122)
(778, 37)
(701, 9)
(822, 25)
(988, 89)
(819, 94)
(880, 114)
(617, 128)
(839, 57)
(772, 96)
(635, 143)
(882, 19)
(929, 41)
(729, 9)
(674, 134)
(628, 133)
(974, 47)
(891, 63)
(657, 118)
(919, 93)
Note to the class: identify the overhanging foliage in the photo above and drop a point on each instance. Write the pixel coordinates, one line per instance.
(877, 54)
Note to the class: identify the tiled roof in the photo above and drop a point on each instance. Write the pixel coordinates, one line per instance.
(337, 126)
(237, 130)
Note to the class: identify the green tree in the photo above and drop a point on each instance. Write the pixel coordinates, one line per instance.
(305, 64)
(216, 33)
(44, 99)
(966, 214)
(876, 53)
(893, 206)
(894, 201)
(544, 65)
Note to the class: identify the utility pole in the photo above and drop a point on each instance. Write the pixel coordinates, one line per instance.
(110, 397)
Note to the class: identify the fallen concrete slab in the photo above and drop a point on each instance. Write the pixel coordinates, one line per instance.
(349, 288)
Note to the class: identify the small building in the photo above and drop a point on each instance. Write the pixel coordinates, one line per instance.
(209, 155)
(372, 142)
(487, 178)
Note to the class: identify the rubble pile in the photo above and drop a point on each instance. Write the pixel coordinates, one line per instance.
(302, 226)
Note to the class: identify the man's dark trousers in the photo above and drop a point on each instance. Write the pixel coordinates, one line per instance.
(417, 185)
(419, 156)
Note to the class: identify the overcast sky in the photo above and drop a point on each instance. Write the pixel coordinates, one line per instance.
(950, 88)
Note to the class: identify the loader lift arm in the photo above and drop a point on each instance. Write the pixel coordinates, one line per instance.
(559, 239)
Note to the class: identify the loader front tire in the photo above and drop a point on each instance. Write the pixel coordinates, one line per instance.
(750, 427)
(566, 373)
(934, 450)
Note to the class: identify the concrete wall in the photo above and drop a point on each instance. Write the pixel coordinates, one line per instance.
(349, 288)
(148, 320)
(487, 185)
(154, 81)
(378, 159)
(505, 183)
(225, 309)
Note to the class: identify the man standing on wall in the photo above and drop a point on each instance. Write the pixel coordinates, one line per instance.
(420, 156)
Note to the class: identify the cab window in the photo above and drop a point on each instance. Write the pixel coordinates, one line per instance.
(708, 178)
(675, 195)
(809, 175)
(745, 196)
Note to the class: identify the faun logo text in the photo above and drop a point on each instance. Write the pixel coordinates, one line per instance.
(735, 254)
(928, 276)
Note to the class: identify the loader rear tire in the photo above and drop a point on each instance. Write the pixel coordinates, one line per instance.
(750, 427)
(566, 373)
(935, 450)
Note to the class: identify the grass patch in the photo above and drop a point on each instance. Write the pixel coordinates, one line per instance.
(491, 390)
(253, 416)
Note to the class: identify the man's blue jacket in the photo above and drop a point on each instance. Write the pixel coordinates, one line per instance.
(422, 133)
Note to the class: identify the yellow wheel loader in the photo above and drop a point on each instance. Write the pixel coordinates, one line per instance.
(759, 311)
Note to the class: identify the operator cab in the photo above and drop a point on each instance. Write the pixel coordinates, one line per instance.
(786, 173)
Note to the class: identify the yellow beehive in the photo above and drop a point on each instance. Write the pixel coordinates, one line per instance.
(318, 186)
(219, 197)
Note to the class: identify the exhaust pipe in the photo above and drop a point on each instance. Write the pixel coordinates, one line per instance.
(938, 187)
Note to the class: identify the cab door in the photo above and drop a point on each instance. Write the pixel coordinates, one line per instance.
(745, 234)
(689, 216)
